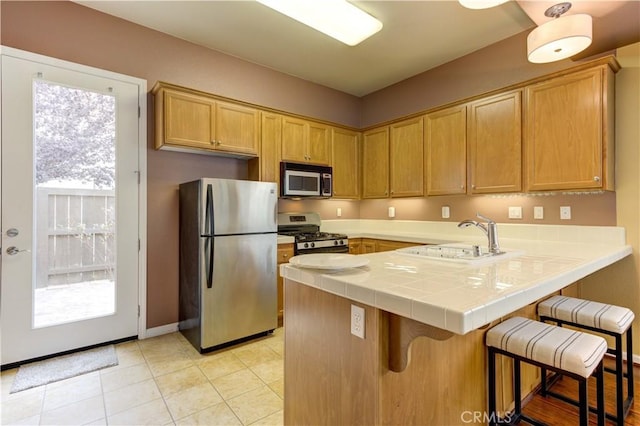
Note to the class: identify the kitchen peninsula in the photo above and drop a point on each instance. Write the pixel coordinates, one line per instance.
(422, 360)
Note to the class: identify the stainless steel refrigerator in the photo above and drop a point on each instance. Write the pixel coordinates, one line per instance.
(228, 290)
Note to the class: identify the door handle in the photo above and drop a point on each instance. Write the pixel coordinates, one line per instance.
(13, 250)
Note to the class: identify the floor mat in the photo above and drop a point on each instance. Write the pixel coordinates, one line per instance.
(63, 367)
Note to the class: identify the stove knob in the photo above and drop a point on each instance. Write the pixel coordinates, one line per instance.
(335, 242)
(341, 242)
(306, 245)
(313, 244)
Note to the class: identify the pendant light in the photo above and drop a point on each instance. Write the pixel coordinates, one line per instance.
(561, 37)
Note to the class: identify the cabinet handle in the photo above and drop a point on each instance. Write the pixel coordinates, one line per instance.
(473, 187)
(461, 186)
(213, 141)
(596, 178)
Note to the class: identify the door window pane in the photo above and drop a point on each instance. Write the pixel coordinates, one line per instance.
(74, 235)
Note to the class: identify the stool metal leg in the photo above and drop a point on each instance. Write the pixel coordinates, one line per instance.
(630, 377)
(599, 374)
(584, 404)
(516, 388)
(619, 376)
(543, 381)
(492, 387)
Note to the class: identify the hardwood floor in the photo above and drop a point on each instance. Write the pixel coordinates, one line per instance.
(558, 413)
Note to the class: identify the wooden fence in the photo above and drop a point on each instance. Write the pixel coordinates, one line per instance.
(75, 239)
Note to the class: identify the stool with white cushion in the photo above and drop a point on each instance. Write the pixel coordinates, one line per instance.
(602, 318)
(571, 353)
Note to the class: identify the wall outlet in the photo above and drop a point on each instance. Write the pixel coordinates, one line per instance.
(538, 212)
(392, 212)
(338, 212)
(565, 212)
(515, 212)
(357, 321)
(446, 212)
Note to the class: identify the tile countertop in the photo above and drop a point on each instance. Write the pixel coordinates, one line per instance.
(458, 297)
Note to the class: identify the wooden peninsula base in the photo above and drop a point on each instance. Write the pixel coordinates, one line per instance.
(335, 378)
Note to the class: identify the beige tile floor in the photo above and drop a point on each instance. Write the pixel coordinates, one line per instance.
(162, 381)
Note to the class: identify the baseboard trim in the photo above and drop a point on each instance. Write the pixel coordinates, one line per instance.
(159, 331)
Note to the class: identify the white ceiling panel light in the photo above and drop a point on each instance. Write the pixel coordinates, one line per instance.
(481, 4)
(561, 37)
(336, 18)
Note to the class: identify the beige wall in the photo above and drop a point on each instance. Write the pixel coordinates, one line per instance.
(75, 33)
(620, 283)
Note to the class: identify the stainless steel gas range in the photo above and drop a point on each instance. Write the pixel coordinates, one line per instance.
(305, 228)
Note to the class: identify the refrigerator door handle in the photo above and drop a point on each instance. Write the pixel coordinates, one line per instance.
(209, 229)
(210, 265)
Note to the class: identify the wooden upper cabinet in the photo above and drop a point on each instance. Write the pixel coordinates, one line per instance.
(445, 145)
(188, 119)
(319, 143)
(406, 158)
(375, 163)
(267, 167)
(569, 132)
(346, 163)
(237, 128)
(184, 119)
(305, 141)
(494, 142)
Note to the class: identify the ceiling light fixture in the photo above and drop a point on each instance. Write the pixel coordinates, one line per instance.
(336, 18)
(481, 4)
(561, 37)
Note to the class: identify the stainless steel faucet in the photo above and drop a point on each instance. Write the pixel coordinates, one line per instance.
(490, 230)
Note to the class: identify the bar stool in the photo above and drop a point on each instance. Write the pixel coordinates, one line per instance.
(572, 353)
(602, 318)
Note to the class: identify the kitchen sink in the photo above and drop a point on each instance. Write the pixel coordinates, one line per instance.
(458, 253)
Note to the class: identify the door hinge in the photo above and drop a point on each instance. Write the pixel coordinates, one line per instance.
(138, 311)
(139, 111)
(139, 244)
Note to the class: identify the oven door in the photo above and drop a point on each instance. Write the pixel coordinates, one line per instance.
(332, 249)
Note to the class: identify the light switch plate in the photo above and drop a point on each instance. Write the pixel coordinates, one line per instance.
(339, 212)
(446, 212)
(392, 212)
(538, 212)
(515, 212)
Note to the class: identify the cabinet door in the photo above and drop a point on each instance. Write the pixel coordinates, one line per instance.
(271, 137)
(564, 132)
(188, 120)
(406, 158)
(368, 246)
(294, 140)
(495, 144)
(446, 141)
(318, 144)
(375, 161)
(237, 128)
(354, 245)
(346, 164)
(285, 252)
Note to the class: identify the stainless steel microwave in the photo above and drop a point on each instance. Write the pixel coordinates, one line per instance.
(305, 180)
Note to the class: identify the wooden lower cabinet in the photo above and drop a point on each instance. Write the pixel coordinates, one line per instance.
(355, 245)
(285, 252)
(351, 383)
(371, 245)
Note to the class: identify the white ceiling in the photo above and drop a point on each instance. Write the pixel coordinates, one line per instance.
(417, 36)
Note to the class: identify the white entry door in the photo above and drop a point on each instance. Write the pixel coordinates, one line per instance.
(70, 183)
